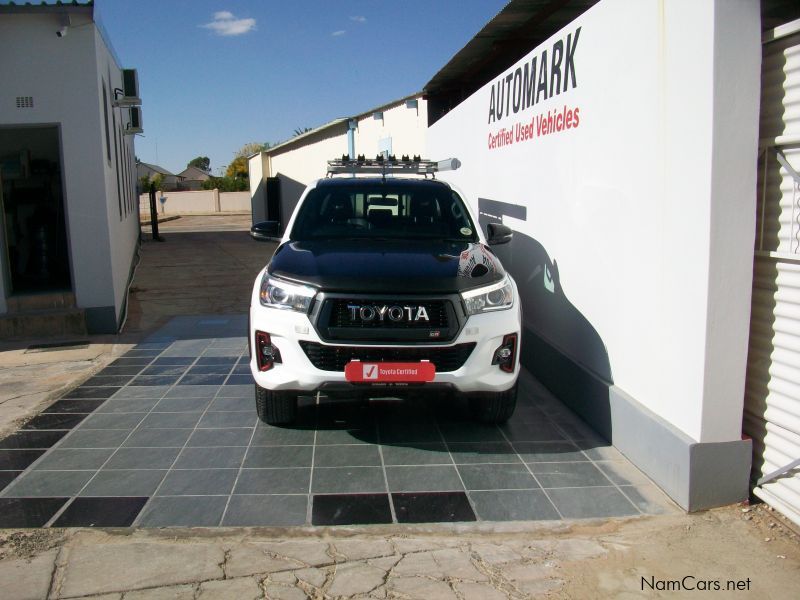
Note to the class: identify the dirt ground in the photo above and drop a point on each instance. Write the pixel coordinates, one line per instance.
(751, 545)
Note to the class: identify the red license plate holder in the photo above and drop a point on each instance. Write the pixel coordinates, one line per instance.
(389, 372)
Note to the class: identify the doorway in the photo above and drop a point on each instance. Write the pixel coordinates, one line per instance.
(35, 250)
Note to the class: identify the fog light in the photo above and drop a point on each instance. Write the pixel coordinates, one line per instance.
(505, 356)
(266, 354)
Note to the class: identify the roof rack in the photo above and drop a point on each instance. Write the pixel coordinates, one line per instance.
(383, 165)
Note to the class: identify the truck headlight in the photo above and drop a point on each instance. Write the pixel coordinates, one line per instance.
(498, 296)
(285, 295)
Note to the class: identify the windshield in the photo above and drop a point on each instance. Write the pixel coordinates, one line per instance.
(383, 211)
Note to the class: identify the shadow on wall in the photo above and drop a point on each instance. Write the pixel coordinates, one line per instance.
(290, 192)
(560, 347)
(258, 203)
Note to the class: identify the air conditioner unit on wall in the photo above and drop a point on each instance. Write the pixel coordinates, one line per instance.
(135, 121)
(129, 94)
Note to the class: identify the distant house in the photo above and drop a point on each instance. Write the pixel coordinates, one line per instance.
(69, 227)
(171, 181)
(192, 178)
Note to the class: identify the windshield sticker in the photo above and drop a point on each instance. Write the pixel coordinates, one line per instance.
(476, 261)
(466, 231)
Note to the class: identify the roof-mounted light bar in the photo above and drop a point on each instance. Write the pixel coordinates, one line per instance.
(382, 165)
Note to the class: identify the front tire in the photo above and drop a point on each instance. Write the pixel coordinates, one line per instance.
(494, 407)
(275, 408)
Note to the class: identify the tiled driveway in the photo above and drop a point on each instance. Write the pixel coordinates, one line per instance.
(168, 435)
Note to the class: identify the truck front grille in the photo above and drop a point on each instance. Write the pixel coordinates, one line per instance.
(334, 358)
(341, 315)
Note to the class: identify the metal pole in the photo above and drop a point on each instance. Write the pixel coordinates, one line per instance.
(154, 214)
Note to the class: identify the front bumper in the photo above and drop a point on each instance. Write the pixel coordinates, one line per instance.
(296, 372)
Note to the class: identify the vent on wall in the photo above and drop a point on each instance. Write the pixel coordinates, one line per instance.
(24, 101)
(128, 95)
(134, 124)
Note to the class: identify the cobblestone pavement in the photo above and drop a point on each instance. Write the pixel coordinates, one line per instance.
(393, 566)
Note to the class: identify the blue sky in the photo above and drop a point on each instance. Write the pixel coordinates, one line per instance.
(215, 75)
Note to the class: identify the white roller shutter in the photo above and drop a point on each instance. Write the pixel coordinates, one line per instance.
(772, 397)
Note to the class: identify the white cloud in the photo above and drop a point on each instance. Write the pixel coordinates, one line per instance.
(359, 19)
(338, 33)
(225, 23)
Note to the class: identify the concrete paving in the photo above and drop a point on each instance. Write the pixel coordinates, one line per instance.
(206, 265)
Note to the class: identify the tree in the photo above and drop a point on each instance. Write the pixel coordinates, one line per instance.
(238, 167)
(158, 180)
(226, 184)
(251, 148)
(301, 131)
(201, 162)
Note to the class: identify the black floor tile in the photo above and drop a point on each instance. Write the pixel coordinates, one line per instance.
(174, 360)
(101, 512)
(242, 369)
(75, 406)
(104, 380)
(132, 370)
(54, 421)
(92, 392)
(7, 477)
(152, 346)
(202, 380)
(18, 460)
(32, 439)
(131, 362)
(432, 507)
(217, 360)
(154, 380)
(135, 353)
(240, 380)
(28, 512)
(350, 509)
(174, 370)
(210, 370)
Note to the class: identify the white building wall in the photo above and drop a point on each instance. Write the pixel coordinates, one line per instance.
(309, 161)
(405, 127)
(633, 205)
(63, 75)
(120, 178)
(737, 52)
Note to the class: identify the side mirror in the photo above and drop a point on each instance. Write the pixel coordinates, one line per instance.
(498, 234)
(266, 231)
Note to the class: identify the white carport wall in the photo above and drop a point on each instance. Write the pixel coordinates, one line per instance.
(631, 190)
(772, 402)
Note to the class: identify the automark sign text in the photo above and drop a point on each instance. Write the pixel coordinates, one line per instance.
(538, 80)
